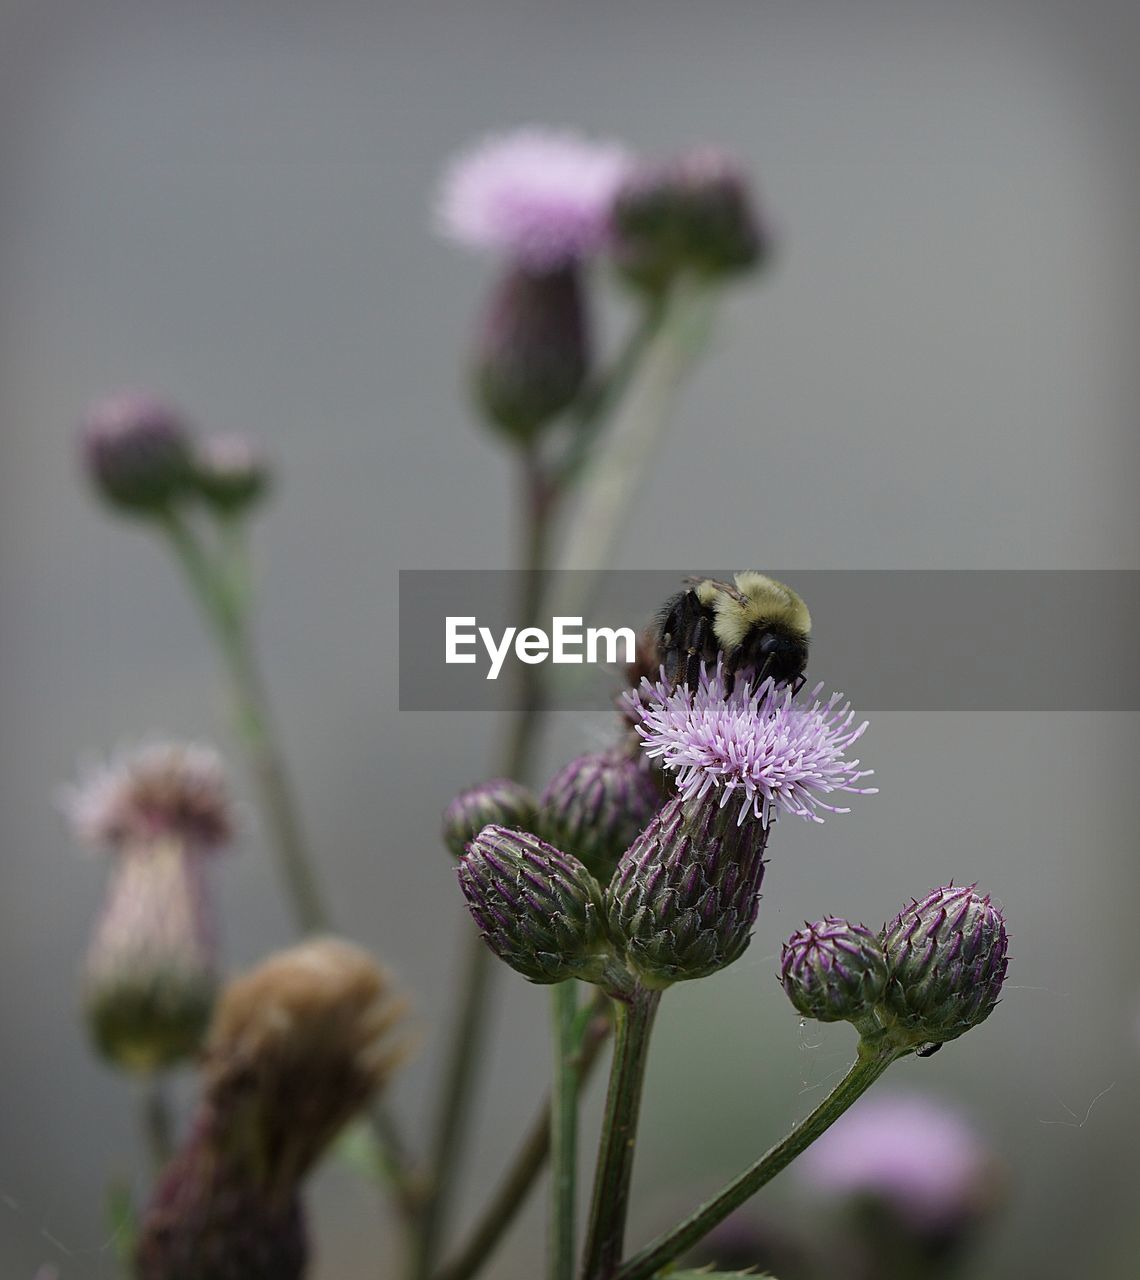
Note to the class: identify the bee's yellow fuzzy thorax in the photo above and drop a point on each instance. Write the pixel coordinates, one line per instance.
(766, 601)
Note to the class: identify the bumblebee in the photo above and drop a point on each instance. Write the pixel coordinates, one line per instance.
(760, 626)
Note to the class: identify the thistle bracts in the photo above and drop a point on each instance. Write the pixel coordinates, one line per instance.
(596, 805)
(692, 213)
(834, 971)
(137, 452)
(532, 349)
(946, 959)
(500, 803)
(230, 475)
(538, 909)
(149, 979)
(684, 898)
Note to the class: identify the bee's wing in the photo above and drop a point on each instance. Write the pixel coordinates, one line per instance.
(729, 588)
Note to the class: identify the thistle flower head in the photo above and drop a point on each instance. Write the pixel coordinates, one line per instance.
(758, 749)
(595, 806)
(500, 802)
(693, 212)
(946, 961)
(229, 473)
(538, 909)
(162, 789)
(296, 1047)
(541, 196)
(915, 1157)
(136, 449)
(833, 970)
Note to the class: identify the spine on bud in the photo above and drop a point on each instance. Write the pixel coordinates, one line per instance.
(538, 909)
(946, 960)
(685, 896)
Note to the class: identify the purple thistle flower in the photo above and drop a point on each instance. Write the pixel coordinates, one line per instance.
(542, 196)
(916, 1156)
(774, 754)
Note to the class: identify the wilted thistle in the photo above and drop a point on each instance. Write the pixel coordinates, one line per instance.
(149, 978)
(296, 1048)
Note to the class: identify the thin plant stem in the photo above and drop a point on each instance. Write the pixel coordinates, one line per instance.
(157, 1123)
(611, 480)
(634, 1024)
(228, 624)
(527, 1164)
(870, 1064)
(563, 1132)
(463, 1056)
(222, 593)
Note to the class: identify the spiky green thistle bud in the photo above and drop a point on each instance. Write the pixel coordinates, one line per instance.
(498, 803)
(137, 451)
(834, 971)
(532, 352)
(538, 909)
(684, 897)
(946, 961)
(596, 805)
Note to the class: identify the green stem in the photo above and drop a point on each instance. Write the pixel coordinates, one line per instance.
(463, 1055)
(599, 401)
(563, 1132)
(634, 1023)
(673, 341)
(527, 1164)
(227, 619)
(867, 1068)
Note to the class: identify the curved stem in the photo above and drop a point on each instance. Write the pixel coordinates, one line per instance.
(527, 1164)
(867, 1068)
(619, 1133)
(563, 1132)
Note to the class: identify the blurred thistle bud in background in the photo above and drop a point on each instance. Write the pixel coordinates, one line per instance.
(946, 960)
(230, 474)
(595, 806)
(684, 897)
(914, 1182)
(834, 971)
(538, 909)
(296, 1048)
(498, 803)
(693, 213)
(532, 349)
(542, 199)
(137, 451)
(149, 978)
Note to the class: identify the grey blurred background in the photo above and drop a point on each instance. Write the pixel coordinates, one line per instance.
(229, 203)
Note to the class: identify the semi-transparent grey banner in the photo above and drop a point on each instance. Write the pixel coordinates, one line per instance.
(891, 640)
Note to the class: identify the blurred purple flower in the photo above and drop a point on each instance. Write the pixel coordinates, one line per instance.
(915, 1155)
(162, 788)
(542, 196)
(777, 754)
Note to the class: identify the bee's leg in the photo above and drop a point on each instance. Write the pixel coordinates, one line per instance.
(694, 651)
(798, 683)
